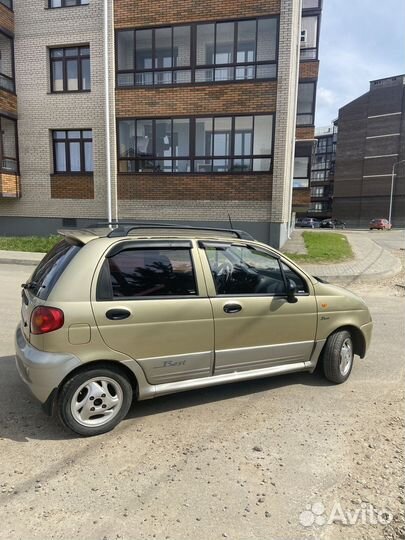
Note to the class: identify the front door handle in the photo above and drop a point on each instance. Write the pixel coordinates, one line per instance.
(118, 314)
(232, 308)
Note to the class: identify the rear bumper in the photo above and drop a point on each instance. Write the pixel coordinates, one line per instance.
(41, 371)
(367, 330)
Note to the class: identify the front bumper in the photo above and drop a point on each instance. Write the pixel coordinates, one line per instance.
(367, 330)
(41, 371)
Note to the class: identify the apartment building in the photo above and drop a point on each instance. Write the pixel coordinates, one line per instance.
(370, 155)
(176, 112)
(323, 172)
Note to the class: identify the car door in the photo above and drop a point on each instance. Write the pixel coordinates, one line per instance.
(150, 303)
(255, 324)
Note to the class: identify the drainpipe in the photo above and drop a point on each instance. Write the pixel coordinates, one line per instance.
(107, 113)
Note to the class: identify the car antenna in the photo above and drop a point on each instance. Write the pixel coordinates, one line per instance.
(230, 220)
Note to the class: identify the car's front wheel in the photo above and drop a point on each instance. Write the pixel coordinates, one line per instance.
(337, 356)
(94, 401)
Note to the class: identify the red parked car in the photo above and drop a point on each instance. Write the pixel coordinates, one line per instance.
(381, 224)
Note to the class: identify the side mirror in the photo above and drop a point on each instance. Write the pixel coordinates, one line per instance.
(291, 290)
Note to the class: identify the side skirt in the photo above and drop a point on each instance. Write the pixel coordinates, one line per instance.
(180, 386)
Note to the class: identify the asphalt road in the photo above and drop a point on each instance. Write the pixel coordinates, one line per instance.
(240, 461)
(393, 240)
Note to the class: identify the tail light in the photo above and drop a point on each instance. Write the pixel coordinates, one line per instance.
(46, 319)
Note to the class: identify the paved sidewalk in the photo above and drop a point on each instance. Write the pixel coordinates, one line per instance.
(371, 263)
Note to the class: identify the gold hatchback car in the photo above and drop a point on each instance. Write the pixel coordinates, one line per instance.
(138, 310)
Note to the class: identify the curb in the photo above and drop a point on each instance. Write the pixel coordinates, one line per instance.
(23, 258)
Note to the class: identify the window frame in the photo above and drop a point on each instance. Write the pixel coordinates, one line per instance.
(314, 82)
(194, 66)
(2, 156)
(315, 57)
(11, 79)
(192, 146)
(10, 7)
(81, 140)
(104, 283)
(63, 4)
(65, 59)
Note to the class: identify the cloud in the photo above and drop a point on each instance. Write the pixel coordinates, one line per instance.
(357, 45)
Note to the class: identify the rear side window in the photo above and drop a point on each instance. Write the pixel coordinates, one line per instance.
(51, 267)
(151, 272)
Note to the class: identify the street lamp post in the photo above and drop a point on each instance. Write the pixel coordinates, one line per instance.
(392, 187)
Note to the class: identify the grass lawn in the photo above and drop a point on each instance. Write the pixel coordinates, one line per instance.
(40, 244)
(324, 248)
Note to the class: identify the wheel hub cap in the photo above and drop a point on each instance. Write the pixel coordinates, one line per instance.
(346, 356)
(96, 402)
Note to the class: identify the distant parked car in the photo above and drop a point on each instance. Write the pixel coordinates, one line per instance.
(332, 224)
(380, 224)
(306, 222)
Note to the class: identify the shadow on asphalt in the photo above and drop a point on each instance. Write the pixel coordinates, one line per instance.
(22, 418)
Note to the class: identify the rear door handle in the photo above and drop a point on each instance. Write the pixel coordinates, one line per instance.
(118, 314)
(232, 308)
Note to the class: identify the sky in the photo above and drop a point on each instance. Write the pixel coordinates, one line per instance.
(360, 40)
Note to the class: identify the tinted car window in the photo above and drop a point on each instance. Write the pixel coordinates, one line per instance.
(241, 270)
(51, 267)
(152, 272)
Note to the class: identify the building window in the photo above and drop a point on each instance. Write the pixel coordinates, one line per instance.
(318, 191)
(67, 3)
(70, 69)
(6, 63)
(309, 37)
(7, 3)
(319, 176)
(311, 4)
(318, 207)
(306, 104)
(196, 145)
(321, 162)
(73, 151)
(198, 53)
(8, 145)
(301, 172)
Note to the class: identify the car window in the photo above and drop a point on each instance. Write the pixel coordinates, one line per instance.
(51, 267)
(240, 270)
(152, 272)
(300, 284)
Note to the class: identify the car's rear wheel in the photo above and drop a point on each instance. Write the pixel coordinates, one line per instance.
(94, 401)
(337, 356)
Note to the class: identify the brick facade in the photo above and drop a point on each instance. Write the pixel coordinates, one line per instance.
(9, 185)
(257, 97)
(309, 70)
(197, 187)
(64, 186)
(148, 13)
(8, 102)
(302, 133)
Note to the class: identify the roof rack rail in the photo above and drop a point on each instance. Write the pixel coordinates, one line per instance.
(123, 228)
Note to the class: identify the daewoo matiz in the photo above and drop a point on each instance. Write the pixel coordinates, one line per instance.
(137, 311)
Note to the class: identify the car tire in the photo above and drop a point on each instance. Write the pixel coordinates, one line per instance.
(337, 357)
(94, 401)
